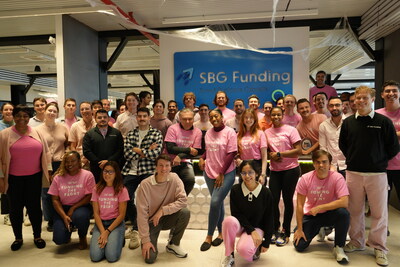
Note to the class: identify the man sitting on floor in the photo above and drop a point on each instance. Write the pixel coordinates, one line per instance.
(322, 199)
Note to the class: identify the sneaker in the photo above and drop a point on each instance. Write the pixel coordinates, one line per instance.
(135, 242)
(321, 235)
(228, 261)
(27, 222)
(282, 240)
(381, 258)
(331, 236)
(349, 247)
(49, 228)
(176, 250)
(274, 238)
(341, 257)
(7, 219)
(256, 255)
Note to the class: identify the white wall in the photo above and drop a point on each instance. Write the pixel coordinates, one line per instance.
(297, 38)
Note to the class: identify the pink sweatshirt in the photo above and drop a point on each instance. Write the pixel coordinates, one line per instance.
(169, 196)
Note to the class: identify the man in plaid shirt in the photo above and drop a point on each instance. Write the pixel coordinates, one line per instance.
(142, 146)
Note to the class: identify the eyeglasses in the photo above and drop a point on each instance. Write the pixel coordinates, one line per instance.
(250, 173)
(108, 172)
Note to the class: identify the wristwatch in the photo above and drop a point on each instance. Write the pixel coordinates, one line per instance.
(278, 154)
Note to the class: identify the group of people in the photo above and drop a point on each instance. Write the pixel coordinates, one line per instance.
(70, 162)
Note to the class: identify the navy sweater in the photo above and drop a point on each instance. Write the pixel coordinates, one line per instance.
(368, 143)
(257, 213)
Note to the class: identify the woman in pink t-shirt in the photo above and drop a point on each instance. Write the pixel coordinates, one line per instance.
(71, 191)
(284, 149)
(109, 201)
(252, 143)
(24, 162)
(219, 172)
(56, 135)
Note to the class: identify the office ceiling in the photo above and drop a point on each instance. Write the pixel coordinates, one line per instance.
(20, 18)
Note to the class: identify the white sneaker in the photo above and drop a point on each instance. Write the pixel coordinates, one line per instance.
(228, 261)
(27, 222)
(349, 247)
(135, 240)
(331, 236)
(341, 257)
(176, 250)
(381, 258)
(7, 219)
(321, 235)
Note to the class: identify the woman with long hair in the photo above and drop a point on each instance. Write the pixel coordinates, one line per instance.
(284, 149)
(56, 135)
(252, 142)
(252, 216)
(109, 199)
(71, 191)
(24, 160)
(219, 172)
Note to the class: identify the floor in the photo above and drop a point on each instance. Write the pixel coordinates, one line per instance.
(318, 254)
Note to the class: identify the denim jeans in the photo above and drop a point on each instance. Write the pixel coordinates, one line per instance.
(131, 183)
(186, 173)
(80, 218)
(112, 250)
(217, 210)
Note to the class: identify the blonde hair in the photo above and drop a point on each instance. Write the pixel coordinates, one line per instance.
(364, 88)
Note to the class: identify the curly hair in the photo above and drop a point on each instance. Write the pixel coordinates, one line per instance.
(61, 170)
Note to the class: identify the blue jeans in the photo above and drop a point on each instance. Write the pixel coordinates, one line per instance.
(217, 210)
(131, 183)
(112, 250)
(80, 218)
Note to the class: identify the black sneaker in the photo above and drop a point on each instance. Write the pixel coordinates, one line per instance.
(256, 256)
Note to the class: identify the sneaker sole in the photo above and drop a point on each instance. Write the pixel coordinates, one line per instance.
(176, 254)
(357, 249)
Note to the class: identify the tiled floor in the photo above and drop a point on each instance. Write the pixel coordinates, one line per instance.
(318, 254)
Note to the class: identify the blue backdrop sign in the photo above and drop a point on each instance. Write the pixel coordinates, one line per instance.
(240, 73)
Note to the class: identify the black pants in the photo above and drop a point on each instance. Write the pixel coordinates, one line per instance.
(285, 182)
(186, 173)
(394, 180)
(25, 191)
(5, 209)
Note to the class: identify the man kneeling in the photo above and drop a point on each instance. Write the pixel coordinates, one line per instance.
(322, 199)
(161, 205)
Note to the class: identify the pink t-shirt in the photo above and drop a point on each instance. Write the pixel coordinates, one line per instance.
(251, 147)
(71, 189)
(311, 130)
(227, 113)
(183, 138)
(108, 202)
(321, 191)
(25, 156)
(282, 139)
(291, 120)
(394, 163)
(328, 90)
(218, 145)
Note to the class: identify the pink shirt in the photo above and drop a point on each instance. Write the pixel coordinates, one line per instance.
(282, 139)
(321, 191)
(183, 138)
(394, 163)
(109, 202)
(291, 120)
(250, 148)
(77, 132)
(328, 90)
(126, 122)
(218, 145)
(310, 130)
(56, 138)
(227, 113)
(25, 156)
(71, 189)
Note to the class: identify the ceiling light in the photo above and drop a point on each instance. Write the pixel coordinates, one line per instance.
(240, 16)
